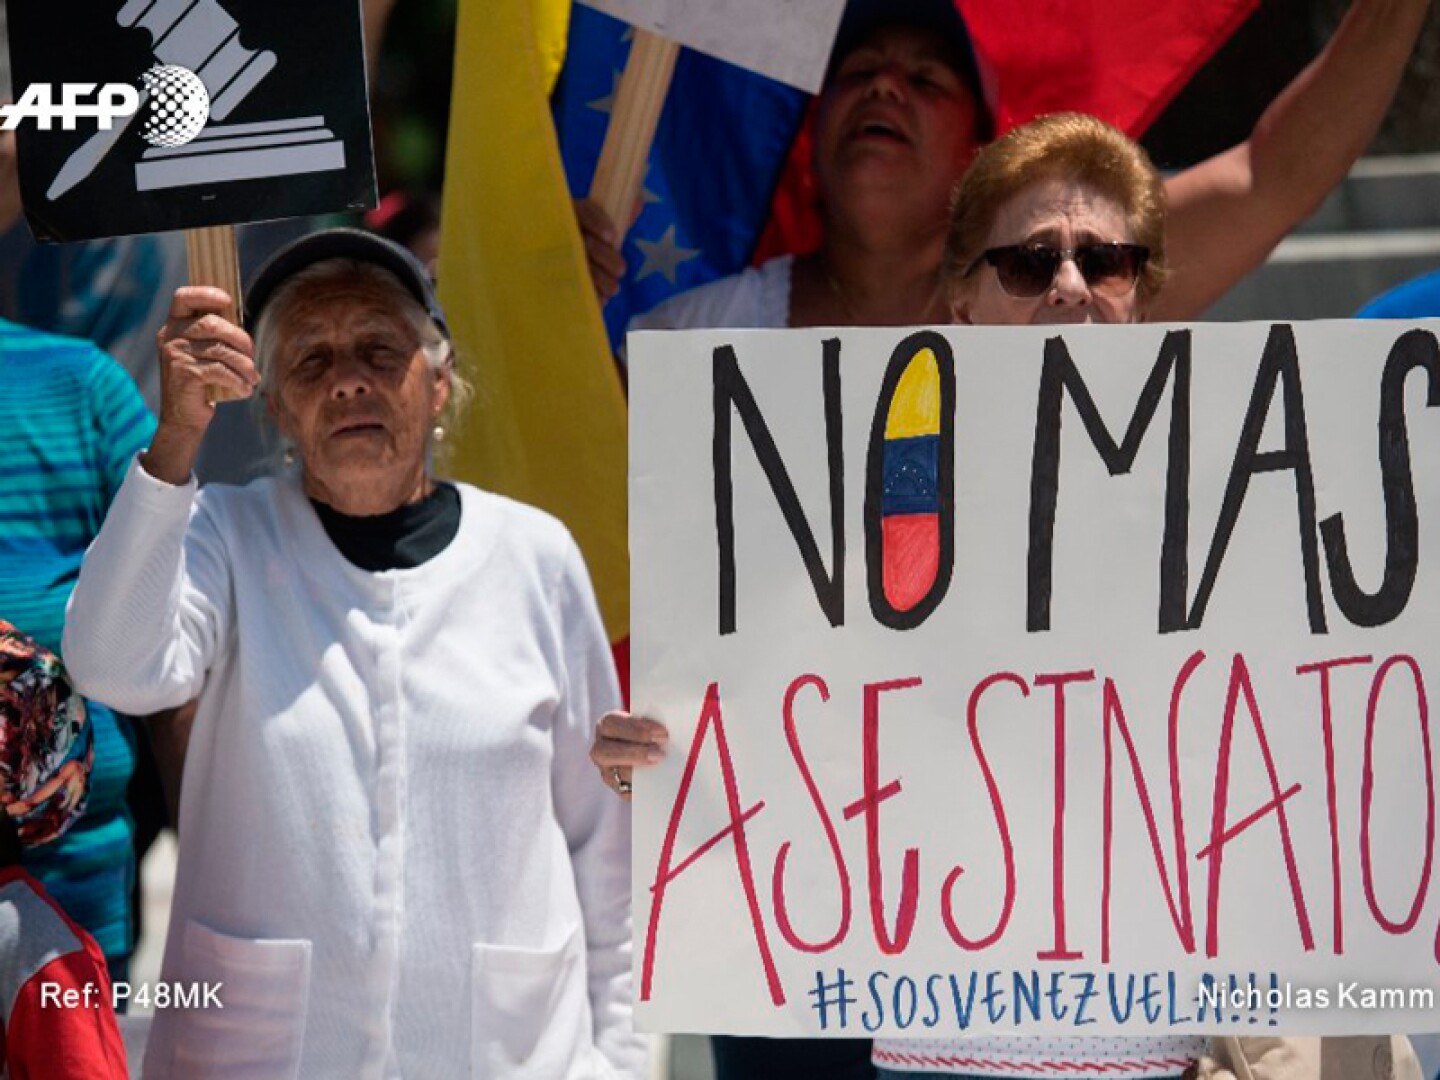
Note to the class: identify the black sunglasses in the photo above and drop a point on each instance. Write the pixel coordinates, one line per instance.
(1026, 271)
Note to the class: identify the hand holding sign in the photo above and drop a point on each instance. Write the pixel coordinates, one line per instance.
(602, 246)
(201, 351)
(623, 743)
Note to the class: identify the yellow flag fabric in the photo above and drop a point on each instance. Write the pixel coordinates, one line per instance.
(548, 422)
(552, 24)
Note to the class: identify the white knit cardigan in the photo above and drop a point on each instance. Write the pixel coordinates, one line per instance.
(395, 853)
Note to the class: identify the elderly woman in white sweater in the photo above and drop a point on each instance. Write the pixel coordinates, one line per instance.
(395, 861)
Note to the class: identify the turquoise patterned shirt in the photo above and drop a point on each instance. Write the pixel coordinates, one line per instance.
(71, 420)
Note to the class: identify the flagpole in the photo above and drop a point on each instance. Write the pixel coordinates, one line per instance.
(214, 260)
(620, 170)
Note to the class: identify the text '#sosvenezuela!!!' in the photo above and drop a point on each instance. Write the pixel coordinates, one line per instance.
(1022, 1000)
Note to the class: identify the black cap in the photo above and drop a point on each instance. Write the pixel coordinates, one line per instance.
(342, 244)
(941, 17)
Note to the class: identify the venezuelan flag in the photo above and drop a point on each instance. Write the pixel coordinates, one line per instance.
(910, 501)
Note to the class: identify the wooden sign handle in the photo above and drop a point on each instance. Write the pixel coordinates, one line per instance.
(214, 260)
(633, 119)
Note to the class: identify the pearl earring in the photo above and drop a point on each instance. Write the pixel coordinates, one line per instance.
(439, 433)
(289, 455)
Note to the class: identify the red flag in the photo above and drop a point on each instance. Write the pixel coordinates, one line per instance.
(1122, 60)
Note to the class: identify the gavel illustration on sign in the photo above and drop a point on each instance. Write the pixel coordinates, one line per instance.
(199, 36)
(204, 38)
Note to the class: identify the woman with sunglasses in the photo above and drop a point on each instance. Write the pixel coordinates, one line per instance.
(1063, 221)
(1060, 221)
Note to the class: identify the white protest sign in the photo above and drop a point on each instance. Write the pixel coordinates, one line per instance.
(1038, 680)
(788, 40)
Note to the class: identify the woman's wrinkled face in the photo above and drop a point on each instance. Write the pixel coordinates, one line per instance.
(1060, 213)
(353, 390)
(896, 113)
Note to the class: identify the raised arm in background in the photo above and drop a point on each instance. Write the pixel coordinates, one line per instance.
(1227, 213)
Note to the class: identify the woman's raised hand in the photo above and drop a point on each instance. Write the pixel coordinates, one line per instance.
(199, 349)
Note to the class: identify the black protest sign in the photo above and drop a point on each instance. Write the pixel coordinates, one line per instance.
(249, 110)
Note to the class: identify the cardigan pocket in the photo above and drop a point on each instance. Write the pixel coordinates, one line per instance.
(259, 1031)
(530, 1013)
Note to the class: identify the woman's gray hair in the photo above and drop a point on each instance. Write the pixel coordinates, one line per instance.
(439, 352)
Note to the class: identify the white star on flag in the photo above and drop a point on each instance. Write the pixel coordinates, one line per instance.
(606, 103)
(663, 256)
